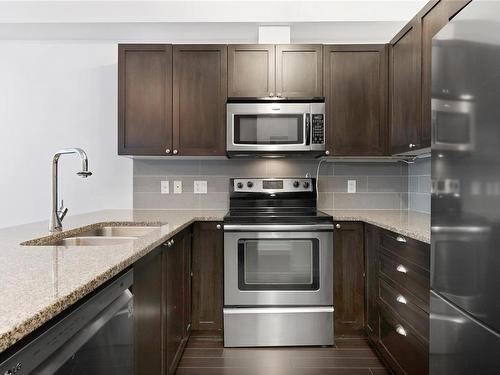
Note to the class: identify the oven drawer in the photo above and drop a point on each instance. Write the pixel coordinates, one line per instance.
(288, 326)
(403, 344)
(404, 304)
(407, 275)
(415, 251)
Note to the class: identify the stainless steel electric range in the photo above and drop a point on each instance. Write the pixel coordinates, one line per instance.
(278, 265)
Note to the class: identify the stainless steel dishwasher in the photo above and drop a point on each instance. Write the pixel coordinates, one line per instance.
(95, 338)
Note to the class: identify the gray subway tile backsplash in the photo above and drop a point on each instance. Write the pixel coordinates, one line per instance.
(378, 185)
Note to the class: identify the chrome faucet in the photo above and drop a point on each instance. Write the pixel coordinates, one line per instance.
(57, 213)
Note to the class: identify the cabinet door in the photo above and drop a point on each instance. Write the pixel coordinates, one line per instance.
(434, 17)
(355, 80)
(148, 314)
(372, 239)
(405, 89)
(299, 70)
(251, 70)
(144, 99)
(207, 268)
(349, 282)
(173, 263)
(199, 100)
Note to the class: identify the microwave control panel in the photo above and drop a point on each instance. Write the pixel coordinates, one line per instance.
(318, 129)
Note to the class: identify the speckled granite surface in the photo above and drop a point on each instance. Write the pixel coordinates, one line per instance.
(38, 282)
(415, 225)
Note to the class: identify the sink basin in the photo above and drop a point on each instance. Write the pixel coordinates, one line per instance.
(123, 231)
(100, 236)
(92, 241)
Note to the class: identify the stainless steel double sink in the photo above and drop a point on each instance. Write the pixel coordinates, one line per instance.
(101, 236)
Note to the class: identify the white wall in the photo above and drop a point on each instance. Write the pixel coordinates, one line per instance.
(54, 96)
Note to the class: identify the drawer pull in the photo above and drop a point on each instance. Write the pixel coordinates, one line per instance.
(401, 269)
(401, 299)
(400, 330)
(401, 239)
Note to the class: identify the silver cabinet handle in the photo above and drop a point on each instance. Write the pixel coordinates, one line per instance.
(400, 330)
(412, 145)
(167, 151)
(401, 299)
(271, 94)
(278, 95)
(176, 152)
(219, 226)
(402, 269)
(401, 239)
(327, 152)
(172, 242)
(338, 226)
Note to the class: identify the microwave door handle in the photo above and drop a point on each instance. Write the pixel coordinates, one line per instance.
(307, 128)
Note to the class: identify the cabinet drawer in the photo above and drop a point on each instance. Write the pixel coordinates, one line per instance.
(403, 344)
(409, 276)
(415, 251)
(404, 304)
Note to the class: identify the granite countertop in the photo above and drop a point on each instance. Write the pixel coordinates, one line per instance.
(39, 282)
(411, 224)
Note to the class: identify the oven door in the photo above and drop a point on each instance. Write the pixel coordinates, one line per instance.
(264, 127)
(278, 267)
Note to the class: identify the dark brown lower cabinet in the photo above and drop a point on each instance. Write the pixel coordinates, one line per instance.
(207, 268)
(162, 306)
(349, 284)
(371, 281)
(148, 314)
(177, 303)
(397, 299)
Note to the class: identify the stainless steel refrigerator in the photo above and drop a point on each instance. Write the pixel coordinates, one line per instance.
(465, 251)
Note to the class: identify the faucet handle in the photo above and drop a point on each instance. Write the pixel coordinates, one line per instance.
(62, 210)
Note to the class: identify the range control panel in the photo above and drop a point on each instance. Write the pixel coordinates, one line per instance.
(272, 185)
(318, 129)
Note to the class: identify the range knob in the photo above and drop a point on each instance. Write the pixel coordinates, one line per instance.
(306, 184)
(249, 184)
(296, 184)
(239, 185)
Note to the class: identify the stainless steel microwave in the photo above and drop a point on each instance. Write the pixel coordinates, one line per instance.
(275, 127)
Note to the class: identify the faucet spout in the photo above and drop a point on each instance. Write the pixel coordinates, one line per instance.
(57, 213)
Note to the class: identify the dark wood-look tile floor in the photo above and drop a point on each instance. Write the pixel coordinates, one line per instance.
(206, 355)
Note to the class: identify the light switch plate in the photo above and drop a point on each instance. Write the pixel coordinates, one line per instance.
(351, 186)
(165, 187)
(200, 187)
(177, 187)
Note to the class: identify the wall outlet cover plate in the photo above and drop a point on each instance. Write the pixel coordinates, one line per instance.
(165, 187)
(351, 186)
(200, 187)
(177, 187)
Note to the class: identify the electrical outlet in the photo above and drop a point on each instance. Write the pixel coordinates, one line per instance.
(351, 186)
(200, 187)
(177, 187)
(165, 187)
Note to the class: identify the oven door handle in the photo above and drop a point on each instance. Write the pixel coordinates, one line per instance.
(276, 227)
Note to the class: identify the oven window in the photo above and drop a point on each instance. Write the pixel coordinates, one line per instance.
(275, 264)
(269, 129)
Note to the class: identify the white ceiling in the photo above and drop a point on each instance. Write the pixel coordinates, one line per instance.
(334, 21)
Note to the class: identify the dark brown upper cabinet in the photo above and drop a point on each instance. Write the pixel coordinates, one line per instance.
(405, 89)
(199, 99)
(251, 70)
(292, 70)
(299, 70)
(144, 99)
(355, 81)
